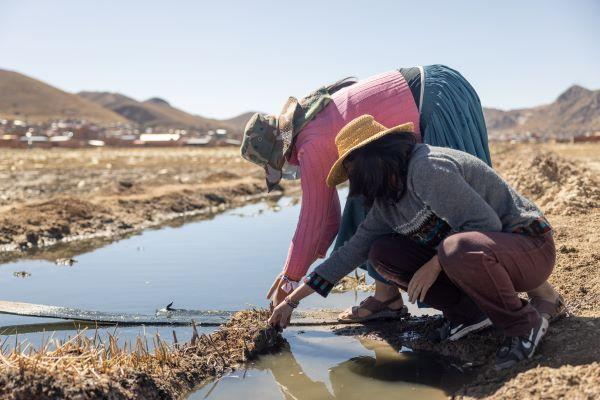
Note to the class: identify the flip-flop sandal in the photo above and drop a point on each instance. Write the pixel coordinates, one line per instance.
(378, 309)
(552, 311)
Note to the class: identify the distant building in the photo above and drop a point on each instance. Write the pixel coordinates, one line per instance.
(159, 139)
(198, 141)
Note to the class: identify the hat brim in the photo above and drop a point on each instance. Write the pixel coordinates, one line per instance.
(337, 174)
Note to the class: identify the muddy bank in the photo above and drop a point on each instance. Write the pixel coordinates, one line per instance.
(49, 196)
(67, 219)
(557, 185)
(87, 369)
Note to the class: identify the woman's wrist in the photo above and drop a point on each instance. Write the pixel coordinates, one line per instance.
(300, 293)
(290, 302)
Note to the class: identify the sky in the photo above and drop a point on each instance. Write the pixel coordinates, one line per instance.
(221, 58)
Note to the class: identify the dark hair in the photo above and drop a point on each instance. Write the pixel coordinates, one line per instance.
(378, 170)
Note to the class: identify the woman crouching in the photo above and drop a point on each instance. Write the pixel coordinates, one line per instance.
(444, 227)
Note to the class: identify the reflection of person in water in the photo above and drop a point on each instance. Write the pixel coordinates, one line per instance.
(386, 366)
(290, 377)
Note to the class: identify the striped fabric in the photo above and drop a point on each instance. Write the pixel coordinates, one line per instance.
(538, 227)
(318, 284)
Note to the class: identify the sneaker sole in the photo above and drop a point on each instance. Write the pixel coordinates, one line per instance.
(473, 328)
(538, 338)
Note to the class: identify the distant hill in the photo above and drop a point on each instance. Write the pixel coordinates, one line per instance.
(155, 112)
(574, 112)
(241, 120)
(22, 97)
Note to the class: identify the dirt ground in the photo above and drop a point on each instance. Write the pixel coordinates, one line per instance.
(52, 196)
(57, 196)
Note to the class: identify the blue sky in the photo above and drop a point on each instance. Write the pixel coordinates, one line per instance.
(221, 58)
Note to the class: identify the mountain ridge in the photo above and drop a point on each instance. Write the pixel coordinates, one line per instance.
(23, 97)
(574, 112)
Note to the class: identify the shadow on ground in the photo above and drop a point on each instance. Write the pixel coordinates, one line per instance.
(571, 341)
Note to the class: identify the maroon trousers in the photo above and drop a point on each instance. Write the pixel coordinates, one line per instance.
(481, 272)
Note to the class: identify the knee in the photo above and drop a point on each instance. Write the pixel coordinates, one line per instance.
(381, 251)
(454, 251)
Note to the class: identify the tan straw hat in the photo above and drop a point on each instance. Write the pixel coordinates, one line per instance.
(357, 133)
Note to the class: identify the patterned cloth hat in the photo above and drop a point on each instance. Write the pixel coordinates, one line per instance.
(268, 139)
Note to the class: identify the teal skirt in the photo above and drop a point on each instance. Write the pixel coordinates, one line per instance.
(451, 116)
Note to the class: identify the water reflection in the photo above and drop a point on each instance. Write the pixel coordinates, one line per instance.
(313, 366)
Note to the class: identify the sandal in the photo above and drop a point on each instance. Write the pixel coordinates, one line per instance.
(552, 311)
(378, 309)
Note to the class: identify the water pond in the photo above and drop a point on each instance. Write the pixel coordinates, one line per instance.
(225, 263)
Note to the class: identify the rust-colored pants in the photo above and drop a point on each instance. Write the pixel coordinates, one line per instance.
(481, 272)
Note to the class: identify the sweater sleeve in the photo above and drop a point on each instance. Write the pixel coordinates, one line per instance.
(319, 213)
(351, 255)
(439, 183)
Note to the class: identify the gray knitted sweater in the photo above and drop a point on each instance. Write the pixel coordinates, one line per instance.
(447, 191)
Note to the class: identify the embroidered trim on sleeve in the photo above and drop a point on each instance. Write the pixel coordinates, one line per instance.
(318, 284)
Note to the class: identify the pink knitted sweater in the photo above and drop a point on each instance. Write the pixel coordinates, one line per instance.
(389, 100)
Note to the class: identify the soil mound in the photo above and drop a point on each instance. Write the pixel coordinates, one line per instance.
(52, 219)
(557, 185)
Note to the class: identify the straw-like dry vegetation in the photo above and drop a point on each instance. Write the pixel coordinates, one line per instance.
(92, 368)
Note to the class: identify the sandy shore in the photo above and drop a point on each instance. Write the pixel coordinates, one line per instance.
(57, 196)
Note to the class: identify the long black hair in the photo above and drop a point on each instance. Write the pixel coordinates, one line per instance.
(378, 170)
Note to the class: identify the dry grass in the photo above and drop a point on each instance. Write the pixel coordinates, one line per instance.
(92, 368)
(356, 283)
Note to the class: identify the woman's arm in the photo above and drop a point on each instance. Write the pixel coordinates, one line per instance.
(319, 212)
(351, 255)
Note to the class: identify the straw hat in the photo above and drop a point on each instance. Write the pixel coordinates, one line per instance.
(356, 134)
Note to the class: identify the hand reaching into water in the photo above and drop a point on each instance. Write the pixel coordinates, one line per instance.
(281, 315)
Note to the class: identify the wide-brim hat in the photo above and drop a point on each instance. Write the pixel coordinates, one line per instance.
(356, 134)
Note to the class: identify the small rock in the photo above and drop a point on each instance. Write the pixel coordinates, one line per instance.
(567, 249)
(125, 184)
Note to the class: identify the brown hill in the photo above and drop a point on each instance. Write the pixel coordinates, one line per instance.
(240, 121)
(575, 112)
(155, 112)
(22, 97)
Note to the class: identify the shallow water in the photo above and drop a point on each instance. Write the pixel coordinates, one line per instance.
(319, 365)
(226, 263)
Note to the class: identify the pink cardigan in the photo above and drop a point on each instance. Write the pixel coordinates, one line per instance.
(389, 100)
